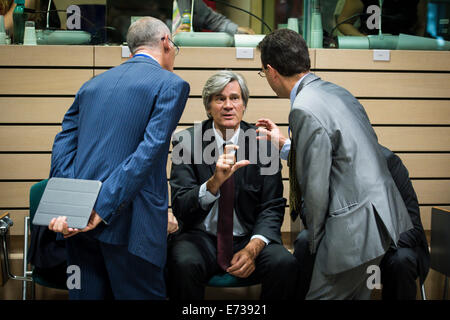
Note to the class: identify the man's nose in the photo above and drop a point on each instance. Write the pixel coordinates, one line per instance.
(228, 103)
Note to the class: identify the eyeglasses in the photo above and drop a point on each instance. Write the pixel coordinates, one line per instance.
(177, 48)
(262, 73)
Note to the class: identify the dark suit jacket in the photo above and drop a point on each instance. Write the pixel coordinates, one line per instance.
(118, 131)
(414, 238)
(259, 202)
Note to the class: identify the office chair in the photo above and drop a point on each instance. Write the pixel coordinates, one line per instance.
(440, 244)
(35, 275)
(5, 224)
(224, 286)
(38, 276)
(230, 281)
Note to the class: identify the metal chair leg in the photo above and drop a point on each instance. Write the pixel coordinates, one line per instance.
(6, 255)
(33, 291)
(25, 254)
(422, 292)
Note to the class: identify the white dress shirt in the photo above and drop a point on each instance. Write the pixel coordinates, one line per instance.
(205, 198)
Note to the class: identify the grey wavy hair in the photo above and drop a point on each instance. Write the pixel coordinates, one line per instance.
(217, 82)
(146, 32)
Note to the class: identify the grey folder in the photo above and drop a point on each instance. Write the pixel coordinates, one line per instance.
(73, 198)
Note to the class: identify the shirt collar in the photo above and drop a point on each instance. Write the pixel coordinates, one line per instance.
(146, 55)
(219, 139)
(295, 88)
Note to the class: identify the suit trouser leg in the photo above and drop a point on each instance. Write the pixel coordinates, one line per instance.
(399, 272)
(347, 285)
(111, 272)
(85, 253)
(277, 269)
(306, 263)
(132, 277)
(191, 262)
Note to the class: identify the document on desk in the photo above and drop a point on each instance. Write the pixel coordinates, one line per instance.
(73, 198)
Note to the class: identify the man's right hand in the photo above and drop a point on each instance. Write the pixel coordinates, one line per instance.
(226, 165)
(268, 130)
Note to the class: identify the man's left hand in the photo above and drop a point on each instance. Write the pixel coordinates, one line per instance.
(60, 225)
(243, 262)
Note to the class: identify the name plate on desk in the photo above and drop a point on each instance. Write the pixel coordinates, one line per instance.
(381, 55)
(245, 53)
(126, 53)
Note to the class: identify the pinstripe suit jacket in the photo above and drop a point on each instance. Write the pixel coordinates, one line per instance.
(118, 131)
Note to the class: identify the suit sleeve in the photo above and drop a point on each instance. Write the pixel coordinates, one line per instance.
(313, 164)
(207, 18)
(65, 144)
(271, 208)
(185, 187)
(127, 179)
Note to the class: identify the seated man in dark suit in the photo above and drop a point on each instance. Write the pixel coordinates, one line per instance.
(230, 210)
(401, 266)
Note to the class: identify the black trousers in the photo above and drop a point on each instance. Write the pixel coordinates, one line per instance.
(399, 270)
(191, 262)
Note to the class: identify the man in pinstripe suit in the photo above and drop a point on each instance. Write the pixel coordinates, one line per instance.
(118, 131)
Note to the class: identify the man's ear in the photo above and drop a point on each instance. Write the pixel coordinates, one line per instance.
(273, 72)
(166, 44)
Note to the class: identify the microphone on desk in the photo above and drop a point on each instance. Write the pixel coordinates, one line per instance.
(192, 16)
(48, 14)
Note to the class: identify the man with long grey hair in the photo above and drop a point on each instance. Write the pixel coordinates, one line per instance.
(230, 214)
(118, 131)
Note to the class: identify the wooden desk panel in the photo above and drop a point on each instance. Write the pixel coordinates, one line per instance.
(42, 81)
(27, 138)
(191, 57)
(391, 84)
(414, 138)
(400, 60)
(33, 110)
(47, 56)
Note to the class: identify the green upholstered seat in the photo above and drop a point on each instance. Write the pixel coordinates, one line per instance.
(228, 280)
(36, 192)
(55, 277)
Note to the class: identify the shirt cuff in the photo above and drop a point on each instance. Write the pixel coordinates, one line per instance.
(284, 153)
(205, 198)
(260, 237)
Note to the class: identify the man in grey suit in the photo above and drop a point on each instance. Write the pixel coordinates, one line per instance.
(340, 182)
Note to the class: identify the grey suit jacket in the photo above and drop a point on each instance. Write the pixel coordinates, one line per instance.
(351, 206)
(207, 18)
